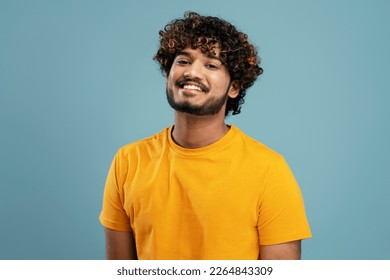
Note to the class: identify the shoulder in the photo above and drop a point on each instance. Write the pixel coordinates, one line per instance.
(254, 148)
(149, 144)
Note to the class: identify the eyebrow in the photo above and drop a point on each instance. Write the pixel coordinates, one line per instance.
(190, 55)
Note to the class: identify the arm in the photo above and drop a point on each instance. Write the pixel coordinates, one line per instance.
(120, 245)
(284, 251)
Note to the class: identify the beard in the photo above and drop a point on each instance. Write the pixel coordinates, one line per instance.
(211, 107)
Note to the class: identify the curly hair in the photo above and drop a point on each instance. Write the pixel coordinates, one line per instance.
(204, 32)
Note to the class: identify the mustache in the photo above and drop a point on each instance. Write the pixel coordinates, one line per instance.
(181, 82)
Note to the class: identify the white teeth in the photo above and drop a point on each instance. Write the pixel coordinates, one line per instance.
(192, 87)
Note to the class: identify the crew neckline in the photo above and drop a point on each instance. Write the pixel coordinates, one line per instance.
(219, 144)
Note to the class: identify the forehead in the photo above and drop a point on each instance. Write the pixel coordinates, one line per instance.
(195, 52)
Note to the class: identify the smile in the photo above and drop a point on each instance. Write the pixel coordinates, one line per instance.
(186, 83)
(192, 87)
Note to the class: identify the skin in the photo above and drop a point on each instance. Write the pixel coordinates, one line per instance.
(120, 245)
(195, 131)
(283, 251)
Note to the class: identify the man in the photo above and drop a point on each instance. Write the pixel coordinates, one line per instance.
(202, 189)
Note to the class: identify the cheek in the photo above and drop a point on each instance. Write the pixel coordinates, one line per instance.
(170, 82)
(172, 77)
(221, 82)
(169, 78)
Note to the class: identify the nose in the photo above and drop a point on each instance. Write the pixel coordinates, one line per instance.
(194, 71)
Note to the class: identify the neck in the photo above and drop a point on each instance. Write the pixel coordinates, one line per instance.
(198, 131)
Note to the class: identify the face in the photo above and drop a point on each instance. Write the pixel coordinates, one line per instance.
(199, 83)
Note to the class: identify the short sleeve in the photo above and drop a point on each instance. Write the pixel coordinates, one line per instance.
(282, 216)
(113, 215)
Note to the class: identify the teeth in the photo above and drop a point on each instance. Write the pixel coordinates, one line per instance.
(192, 87)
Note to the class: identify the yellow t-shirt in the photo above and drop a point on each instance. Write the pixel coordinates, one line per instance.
(217, 202)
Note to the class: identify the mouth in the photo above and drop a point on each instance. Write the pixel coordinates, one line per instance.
(191, 85)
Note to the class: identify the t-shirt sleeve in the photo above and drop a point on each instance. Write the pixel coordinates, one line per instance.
(282, 216)
(113, 215)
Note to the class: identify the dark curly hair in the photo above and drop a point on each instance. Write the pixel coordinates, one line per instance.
(204, 32)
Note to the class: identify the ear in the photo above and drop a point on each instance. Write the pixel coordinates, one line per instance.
(234, 89)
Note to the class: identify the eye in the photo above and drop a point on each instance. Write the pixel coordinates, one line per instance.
(182, 61)
(212, 66)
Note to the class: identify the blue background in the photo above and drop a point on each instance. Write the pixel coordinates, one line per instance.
(77, 81)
